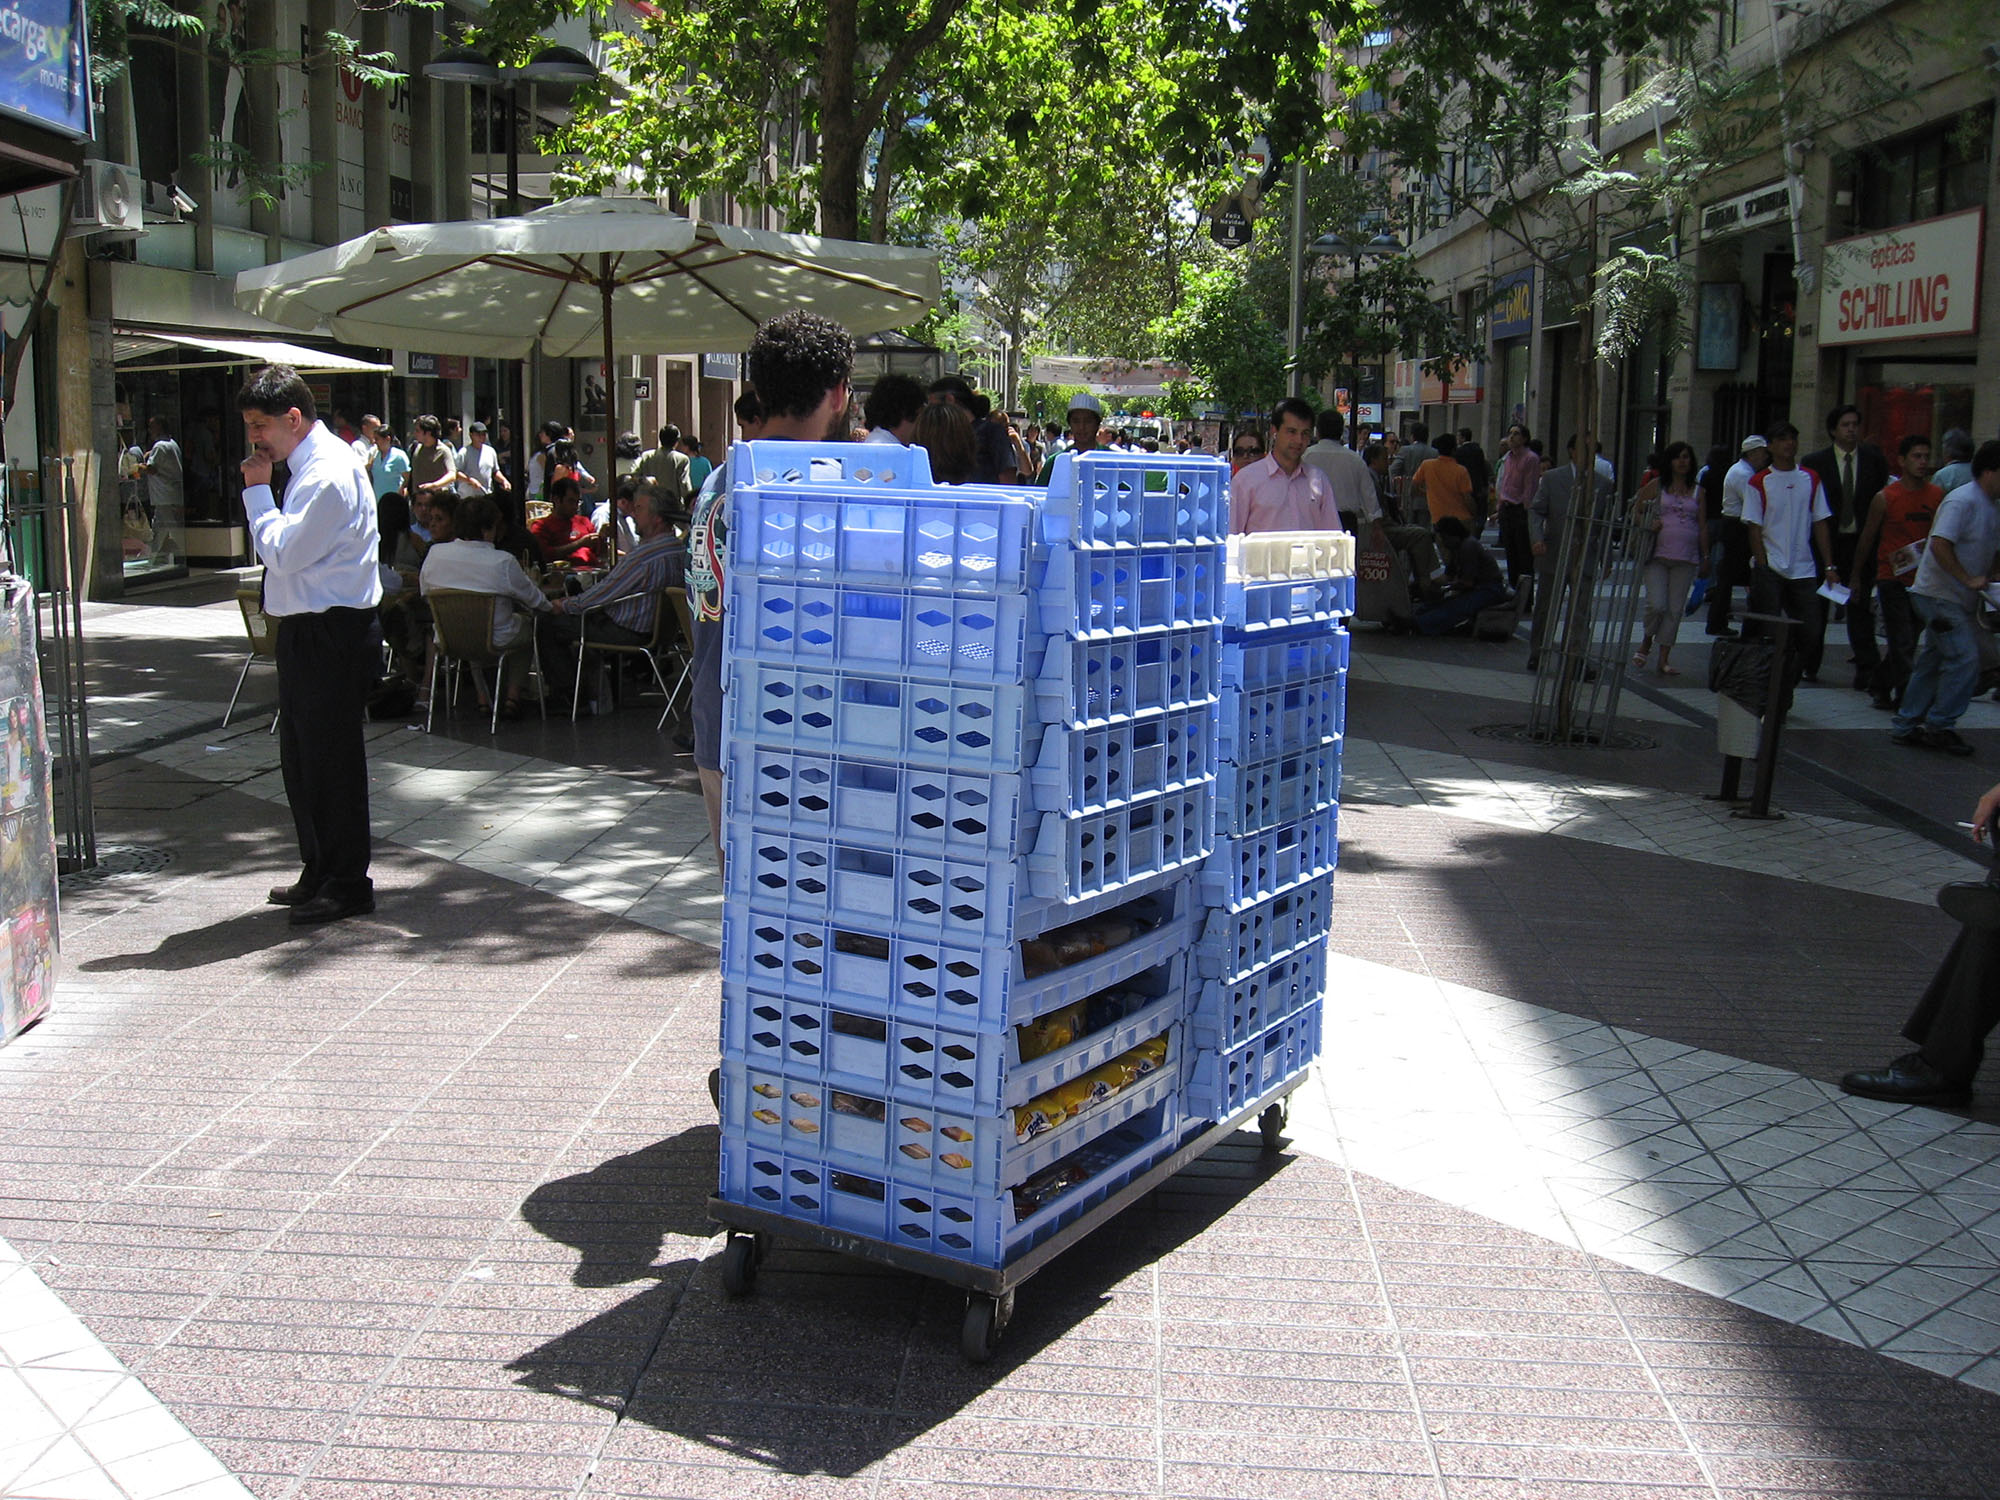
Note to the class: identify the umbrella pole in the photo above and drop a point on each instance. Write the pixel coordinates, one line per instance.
(610, 402)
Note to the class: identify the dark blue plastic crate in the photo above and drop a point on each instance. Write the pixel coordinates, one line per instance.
(1273, 661)
(900, 631)
(1256, 865)
(1282, 789)
(924, 1063)
(1236, 940)
(1221, 1083)
(1102, 681)
(1254, 724)
(1254, 607)
(980, 726)
(989, 987)
(940, 539)
(1090, 594)
(1229, 1012)
(1104, 499)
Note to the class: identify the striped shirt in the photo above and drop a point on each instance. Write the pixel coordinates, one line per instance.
(636, 583)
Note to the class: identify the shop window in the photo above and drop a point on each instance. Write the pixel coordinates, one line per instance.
(1937, 170)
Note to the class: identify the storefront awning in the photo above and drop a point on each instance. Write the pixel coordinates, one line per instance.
(208, 353)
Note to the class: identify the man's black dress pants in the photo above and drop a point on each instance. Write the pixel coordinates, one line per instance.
(1960, 1008)
(327, 665)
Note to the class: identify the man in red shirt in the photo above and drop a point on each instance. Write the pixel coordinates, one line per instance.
(562, 534)
(1893, 538)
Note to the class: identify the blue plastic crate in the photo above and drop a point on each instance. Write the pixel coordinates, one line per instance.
(1102, 681)
(1090, 594)
(1105, 499)
(1246, 869)
(1282, 789)
(925, 1063)
(1097, 769)
(941, 540)
(918, 1145)
(781, 463)
(979, 726)
(904, 632)
(987, 988)
(1254, 606)
(1276, 660)
(1089, 858)
(1235, 940)
(980, 1228)
(1221, 1083)
(1304, 714)
(1229, 1012)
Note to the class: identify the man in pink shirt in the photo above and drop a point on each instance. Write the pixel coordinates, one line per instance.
(1283, 492)
(1520, 473)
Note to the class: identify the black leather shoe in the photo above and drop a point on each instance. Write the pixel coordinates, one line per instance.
(1907, 1080)
(331, 909)
(1971, 903)
(1948, 740)
(298, 893)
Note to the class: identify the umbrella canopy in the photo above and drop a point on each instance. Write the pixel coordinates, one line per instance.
(564, 277)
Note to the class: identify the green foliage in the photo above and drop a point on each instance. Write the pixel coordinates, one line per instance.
(1049, 402)
(1221, 331)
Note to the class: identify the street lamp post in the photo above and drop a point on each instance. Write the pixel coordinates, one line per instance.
(1381, 246)
(554, 66)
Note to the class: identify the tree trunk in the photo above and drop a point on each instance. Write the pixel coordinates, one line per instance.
(878, 214)
(840, 136)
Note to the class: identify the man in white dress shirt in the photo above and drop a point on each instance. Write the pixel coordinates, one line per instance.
(321, 586)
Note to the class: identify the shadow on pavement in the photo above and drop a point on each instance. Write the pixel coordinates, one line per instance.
(833, 1363)
(233, 937)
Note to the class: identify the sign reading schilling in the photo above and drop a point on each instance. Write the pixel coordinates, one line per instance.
(44, 65)
(1917, 281)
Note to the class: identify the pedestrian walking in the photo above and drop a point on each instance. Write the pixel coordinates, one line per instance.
(1895, 534)
(1283, 492)
(1853, 473)
(1520, 473)
(1957, 562)
(1680, 552)
(322, 587)
(1787, 514)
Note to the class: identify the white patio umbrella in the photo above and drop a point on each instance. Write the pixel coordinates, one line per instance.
(583, 277)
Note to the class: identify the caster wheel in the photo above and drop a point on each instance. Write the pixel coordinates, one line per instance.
(985, 1319)
(1271, 1125)
(740, 1258)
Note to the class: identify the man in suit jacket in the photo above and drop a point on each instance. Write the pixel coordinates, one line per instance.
(1852, 473)
(1549, 517)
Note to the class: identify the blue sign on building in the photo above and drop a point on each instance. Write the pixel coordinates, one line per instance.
(1513, 307)
(44, 64)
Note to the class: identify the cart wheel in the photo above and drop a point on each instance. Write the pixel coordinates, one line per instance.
(1271, 1124)
(985, 1319)
(740, 1258)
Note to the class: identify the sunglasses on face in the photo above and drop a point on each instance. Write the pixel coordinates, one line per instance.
(1247, 452)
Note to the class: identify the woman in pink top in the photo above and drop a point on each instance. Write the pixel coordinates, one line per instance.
(1680, 552)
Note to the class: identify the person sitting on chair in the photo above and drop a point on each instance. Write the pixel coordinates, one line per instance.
(629, 595)
(473, 563)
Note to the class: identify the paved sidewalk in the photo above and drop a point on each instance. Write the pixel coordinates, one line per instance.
(413, 1206)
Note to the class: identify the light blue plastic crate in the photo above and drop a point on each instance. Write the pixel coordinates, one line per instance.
(1102, 681)
(1282, 789)
(1273, 661)
(978, 726)
(1229, 1012)
(780, 463)
(1246, 869)
(1255, 724)
(987, 988)
(904, 632)
(1091, 594)
(980, 1228)
(1236, 940)
(928, 1065)
(1075, 866)
(1221, 1083)
(1255, 606)
(1107, 499)
(940, 540)
(974, 813)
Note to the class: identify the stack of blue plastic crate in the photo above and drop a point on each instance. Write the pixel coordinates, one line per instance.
(1268, 887)
(970, 772)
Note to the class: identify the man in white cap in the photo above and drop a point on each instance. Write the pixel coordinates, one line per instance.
(1735, 567)
(1086, 416)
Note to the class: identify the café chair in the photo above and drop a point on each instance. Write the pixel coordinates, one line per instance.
(462, 621)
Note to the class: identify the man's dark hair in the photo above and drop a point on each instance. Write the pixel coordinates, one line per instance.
(955, 386)
(669, 435)
(1833, 417)
(749, 408)
(693, 442)
(1329, 426)
(1535, 447)
(1465, 434)
(980, 405)
(1292, 406)
(895, 399)
(428, 423)
(1914, 440)
(275, 390)
(565, 486)
(475, 516)
(1782, 430)
(797, 358)
(1374, 451)
(1420, 432)
(1987, 459)
(1450, 527)
(1446, 445)
(627, 487)
(552, 430)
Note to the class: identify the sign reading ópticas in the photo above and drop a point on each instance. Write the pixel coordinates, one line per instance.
(1917, 281)
(44, 64)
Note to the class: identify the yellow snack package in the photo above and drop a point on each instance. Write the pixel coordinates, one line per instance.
(1049, 1033)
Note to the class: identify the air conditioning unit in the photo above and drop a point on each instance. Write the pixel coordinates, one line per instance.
(109, 200)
